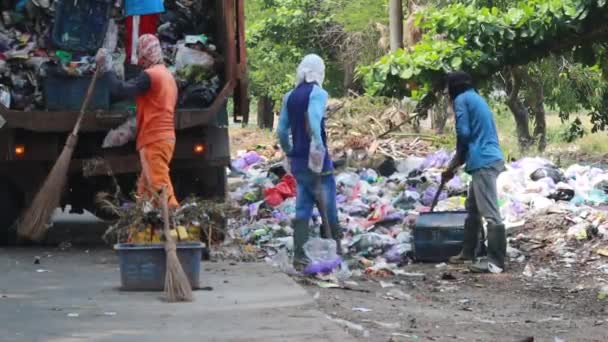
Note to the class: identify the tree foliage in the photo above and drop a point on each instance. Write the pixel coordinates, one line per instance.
(283, 33)
(485, 40)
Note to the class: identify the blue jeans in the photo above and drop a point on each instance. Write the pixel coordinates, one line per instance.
(306, 198)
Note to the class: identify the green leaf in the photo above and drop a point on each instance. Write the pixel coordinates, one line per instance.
(406, 73)
(456, 62)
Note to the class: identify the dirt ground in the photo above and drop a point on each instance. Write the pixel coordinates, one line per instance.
(450, 304)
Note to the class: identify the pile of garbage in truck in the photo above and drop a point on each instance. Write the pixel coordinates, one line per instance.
(551, 213)
(43, 40)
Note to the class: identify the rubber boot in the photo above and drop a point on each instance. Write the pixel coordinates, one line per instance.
(472, 230)
(497, 251)
(336, 232)
(300, 236)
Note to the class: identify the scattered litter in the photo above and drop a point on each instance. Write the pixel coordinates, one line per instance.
(442, 265)
(73, 315)
(386, 325)
(385, 284)
(350, 325)
(397, 294)
(40, 270)
(36, 260)
(362, 310)
(317, 295)
(447, 276)
(109, 313)
(603, 293)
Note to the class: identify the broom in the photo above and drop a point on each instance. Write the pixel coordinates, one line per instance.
(35, 221)
(177, 284)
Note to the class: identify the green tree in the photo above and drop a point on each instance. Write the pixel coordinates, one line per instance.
(488, 41)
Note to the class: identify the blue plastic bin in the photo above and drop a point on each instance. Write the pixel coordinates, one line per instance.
(68, 93)
(438, 235)
(143, 267)
(81, 25)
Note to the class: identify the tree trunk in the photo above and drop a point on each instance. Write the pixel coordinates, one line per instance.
(440, 115)
(349, 77)
(265, 113)
(396, 24)
(519, 110)
(536, 103)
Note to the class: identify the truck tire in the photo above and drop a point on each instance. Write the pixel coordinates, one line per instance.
(11, 205)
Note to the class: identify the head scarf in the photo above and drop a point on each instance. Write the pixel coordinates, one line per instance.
(458, 82)
(149, 52)
(311, 69)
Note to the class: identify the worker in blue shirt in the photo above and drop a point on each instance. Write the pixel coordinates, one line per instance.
(477, 147)
(301, 133)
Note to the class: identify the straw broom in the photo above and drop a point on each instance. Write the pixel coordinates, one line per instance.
(177, 284)
(34, 222)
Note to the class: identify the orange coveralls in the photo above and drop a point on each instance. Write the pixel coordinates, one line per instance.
(156, 133)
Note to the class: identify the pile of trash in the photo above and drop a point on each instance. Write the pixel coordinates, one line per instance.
(195, 220)
(42, 40)
(378, 211)
(364, 130)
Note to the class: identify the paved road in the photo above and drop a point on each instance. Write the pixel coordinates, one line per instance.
(73, 296)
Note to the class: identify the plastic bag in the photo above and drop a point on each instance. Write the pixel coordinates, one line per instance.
(5, 96)
(186, 56)
(111, 39)
(364, 242)
(121, 135)
(316, 157)
(323, 256)
(429, 195)
(282, 262)
(549, 171)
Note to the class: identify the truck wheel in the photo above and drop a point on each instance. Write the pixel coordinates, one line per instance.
(10, 208)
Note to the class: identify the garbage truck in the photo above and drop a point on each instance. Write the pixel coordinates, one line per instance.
(31, 140)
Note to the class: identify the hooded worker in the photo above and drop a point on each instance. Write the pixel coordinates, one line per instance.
(477, 147)
(155, 93)
(302, 136)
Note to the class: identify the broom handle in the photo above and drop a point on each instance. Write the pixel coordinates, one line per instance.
(436, 198)
(86, 101)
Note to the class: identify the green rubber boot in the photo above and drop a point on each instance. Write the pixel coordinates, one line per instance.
(472, 229)
(497, 251)
(300, 236)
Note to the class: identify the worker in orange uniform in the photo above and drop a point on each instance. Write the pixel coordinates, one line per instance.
(155, 92)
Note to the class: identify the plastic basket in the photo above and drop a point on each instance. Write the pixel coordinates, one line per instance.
(68, 92)
(143, 267)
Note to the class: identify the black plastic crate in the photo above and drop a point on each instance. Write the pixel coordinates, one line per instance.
(68, 93)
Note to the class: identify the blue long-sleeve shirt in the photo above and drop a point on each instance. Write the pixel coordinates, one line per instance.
(301, 120)
(477, 138)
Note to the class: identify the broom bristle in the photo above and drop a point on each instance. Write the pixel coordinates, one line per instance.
(34, 222)
(177, 284)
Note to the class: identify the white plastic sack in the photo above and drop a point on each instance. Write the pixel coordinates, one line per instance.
(111, 39)
(187, 56)
(316, 157)
(121, 135)
(5, 96)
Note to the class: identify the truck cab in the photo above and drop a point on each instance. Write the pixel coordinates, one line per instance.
(31, 141)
